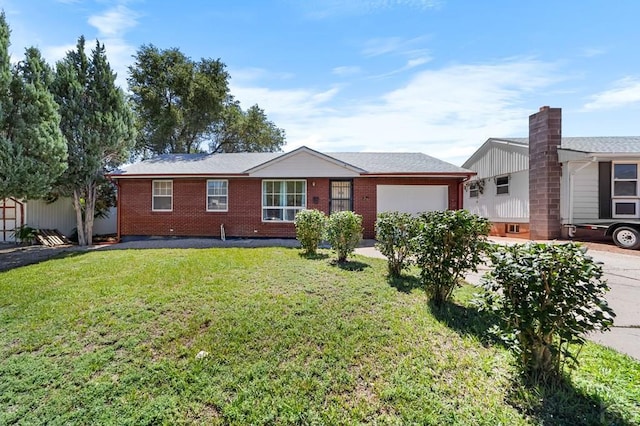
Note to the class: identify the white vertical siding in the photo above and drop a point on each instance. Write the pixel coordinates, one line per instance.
(501, 159)
(512, 207)
(60, 215)
(584, 198)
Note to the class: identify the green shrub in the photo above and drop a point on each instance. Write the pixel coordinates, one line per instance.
(344, 232)
(548, 296)
(310, 228)
(25, 234)
(394, 234)
(448, 243)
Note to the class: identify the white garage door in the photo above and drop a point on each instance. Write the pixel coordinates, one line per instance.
(412, 198)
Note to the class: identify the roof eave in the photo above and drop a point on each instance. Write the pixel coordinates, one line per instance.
(488, 143)
(421, 174)
(173, 175)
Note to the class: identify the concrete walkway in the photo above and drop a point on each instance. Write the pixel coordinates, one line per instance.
(622, 272)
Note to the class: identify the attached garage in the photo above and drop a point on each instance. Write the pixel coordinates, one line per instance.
(411, 198)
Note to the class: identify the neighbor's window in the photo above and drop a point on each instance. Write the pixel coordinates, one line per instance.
(625, 208)
(217, 195)
(625, 180)
(474, 191)
(282, 199)
(502, 185)
(162, 195)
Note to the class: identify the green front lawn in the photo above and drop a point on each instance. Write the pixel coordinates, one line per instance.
(111, 337)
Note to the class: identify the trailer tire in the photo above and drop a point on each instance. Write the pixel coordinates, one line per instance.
(627, 237)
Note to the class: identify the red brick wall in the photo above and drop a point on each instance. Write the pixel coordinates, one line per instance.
(545, 133)
(244, 218)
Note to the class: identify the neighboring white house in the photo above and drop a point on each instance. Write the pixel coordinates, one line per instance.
(500, 190)
(39, 214)
(583, 180)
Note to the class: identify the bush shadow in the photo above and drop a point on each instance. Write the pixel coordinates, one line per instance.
(557, 404)
(562, 404)
(350, 265)
(404, 283)
(313, 256)
(466, 320)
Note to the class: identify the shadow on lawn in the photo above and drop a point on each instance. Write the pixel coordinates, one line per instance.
(466, 320)
(313, 256)
(350, 265)
(36, 254)
(554, 405)
(404, 283)
(562, 404)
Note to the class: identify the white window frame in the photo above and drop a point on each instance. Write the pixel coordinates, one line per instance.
(226, 196)
(620, 200)
(474, 189)
(614, 179)
(154, 195)
(503, 185)
(281, 207)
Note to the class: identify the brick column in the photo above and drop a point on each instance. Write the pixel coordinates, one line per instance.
(545, 133)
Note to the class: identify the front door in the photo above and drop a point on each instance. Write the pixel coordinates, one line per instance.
(341, 196)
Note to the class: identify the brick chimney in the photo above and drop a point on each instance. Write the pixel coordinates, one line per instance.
(545, 134)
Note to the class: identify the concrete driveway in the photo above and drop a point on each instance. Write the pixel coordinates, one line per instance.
(622, 272)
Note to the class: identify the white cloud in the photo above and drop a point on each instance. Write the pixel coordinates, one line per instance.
(249, 75)
(322, 9)
(53, 54)
(346, 71)
(591, 52)
(625, 92)
(114, 22)
(445, 112)
(395, 45)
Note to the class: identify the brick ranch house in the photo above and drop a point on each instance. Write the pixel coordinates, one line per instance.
(257, 195)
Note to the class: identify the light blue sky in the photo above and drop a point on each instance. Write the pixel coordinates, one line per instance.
(432, 76)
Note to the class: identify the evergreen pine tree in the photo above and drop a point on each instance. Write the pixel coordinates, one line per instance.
(32, 150)
(98, 125)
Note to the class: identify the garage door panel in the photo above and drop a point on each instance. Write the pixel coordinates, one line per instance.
(411, 198)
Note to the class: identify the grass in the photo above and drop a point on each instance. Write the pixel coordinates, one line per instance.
(111, 337)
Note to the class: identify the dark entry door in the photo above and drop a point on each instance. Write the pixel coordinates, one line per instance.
(341, 197)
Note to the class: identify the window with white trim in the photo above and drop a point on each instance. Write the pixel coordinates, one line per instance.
(162, 198)
(282, 199)
(624, 190)
(502, 185)
(217, 195)
(474, 190)
(625, 179)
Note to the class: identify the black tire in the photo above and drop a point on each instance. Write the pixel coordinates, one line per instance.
(627, 237)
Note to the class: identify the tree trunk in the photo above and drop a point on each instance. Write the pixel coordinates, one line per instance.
(77, 206)
(89, 211)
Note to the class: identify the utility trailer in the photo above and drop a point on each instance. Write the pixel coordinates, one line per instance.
(625, 233)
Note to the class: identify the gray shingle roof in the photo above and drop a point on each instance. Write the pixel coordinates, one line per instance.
(396, 162)
(596, 144)
(239, 163)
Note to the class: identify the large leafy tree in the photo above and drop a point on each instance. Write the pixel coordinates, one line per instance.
(98, 125)
(245, 131)
(182, 105)
(32, 150)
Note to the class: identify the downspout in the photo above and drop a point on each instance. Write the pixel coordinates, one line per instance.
(461, 191)
(572, 229)
(118, 215)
